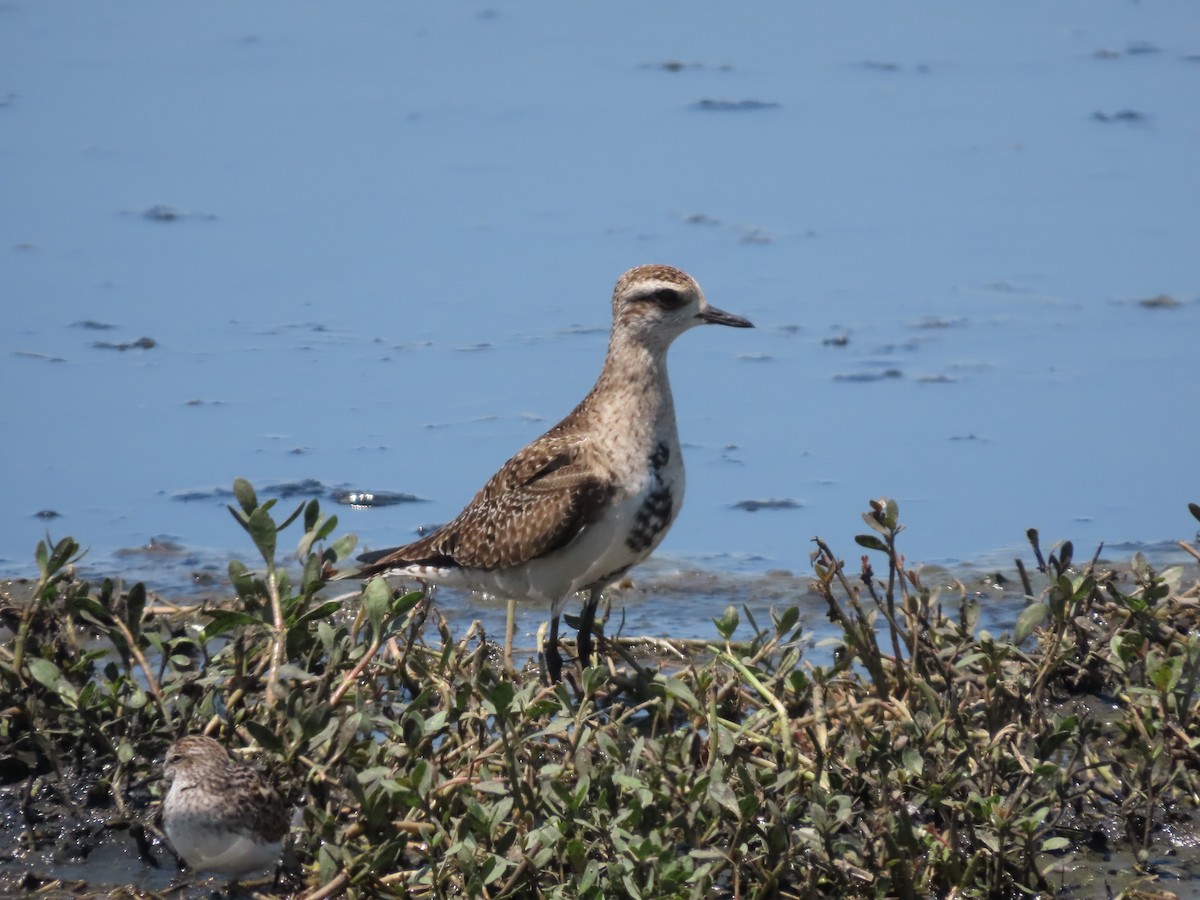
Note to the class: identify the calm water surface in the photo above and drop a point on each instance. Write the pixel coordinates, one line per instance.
(374, 248)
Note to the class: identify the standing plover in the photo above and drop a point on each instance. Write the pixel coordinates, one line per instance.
(595, 494)
(220, 815)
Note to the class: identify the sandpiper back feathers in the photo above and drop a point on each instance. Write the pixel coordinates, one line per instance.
(593, 496)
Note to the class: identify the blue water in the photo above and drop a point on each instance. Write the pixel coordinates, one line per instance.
(386, 235)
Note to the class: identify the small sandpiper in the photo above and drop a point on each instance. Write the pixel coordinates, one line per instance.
(594, 495)
(220, 815)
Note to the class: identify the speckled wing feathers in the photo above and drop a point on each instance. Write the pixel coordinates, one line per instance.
(537, 503)
(270, 811)
(256, 798)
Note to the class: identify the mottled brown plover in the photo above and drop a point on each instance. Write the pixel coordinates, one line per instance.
(220, 815)
(594, 495)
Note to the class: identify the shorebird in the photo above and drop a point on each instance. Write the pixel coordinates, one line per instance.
(594, 495)
(220, 815)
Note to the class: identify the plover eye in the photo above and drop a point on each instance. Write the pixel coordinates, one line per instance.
(668, 297)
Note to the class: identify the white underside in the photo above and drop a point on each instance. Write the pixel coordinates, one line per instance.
(597, 553)
(229, 853)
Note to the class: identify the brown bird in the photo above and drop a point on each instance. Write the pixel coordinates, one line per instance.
(594, 495)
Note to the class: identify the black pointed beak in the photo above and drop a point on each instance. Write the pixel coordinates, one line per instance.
(713, 316)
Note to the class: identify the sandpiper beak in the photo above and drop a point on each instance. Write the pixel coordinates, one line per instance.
(713, 316)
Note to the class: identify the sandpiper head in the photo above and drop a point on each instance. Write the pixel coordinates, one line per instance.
(656, 304)
(193, 753)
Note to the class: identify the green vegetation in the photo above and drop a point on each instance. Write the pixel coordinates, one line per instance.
(931, 759)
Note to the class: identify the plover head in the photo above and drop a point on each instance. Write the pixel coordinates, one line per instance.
(656, 304)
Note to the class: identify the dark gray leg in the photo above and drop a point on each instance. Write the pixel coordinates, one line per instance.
(552, 668)
(586, 620)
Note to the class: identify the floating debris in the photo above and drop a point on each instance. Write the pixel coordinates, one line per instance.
(755, 236)
(1123, 115)
(756, 505)
(1141, 48)
(46, 514)
(868, 376)
(310, 487)
(213, 494)
(675, 65)
(709, 105)
(1161, 301)
(303, 487)
(840, 340)
(142, 343)
(373, 499)
(938, 322)
(160, 212)
(155, 546)
(93, 325)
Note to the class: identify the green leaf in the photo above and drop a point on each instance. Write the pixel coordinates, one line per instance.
(501, 696)
(324, 611)
(262, 529)
(42, 555)
(318, 531)
(722, 794)
(327, 529)
(678, 689)
(223, 620)
(914, 762)
(788, 620)
(728, 623)
(494, 869)
(377, 596)
(1031, 617)
(873, 524)
(971, 609)
(343, 547)
(265, 737)
(246, 498)
(242, 578)
(292, 518)
(1162, 673)
(45, 672)
(64, 551)
(90, 609)
(135, 606)
(870, 541)
(407, 602)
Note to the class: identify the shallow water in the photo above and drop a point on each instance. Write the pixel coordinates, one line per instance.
(375, 250)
